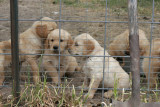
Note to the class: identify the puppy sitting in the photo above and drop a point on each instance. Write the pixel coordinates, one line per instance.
(30, 42)
(120, 45)
(58, 41)
(154, 65)
(84, 44)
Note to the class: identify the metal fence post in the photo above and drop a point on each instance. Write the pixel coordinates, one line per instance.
(14, 49)
(134, 52)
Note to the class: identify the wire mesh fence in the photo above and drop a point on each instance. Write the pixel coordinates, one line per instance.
(81, 44)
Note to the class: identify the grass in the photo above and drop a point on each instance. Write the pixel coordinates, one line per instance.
(117, 6)
(115, 91)
(1, 1)
(44, 95)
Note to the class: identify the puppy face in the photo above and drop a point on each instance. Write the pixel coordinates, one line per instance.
(82, 45)
(58, 40)
(44, 27)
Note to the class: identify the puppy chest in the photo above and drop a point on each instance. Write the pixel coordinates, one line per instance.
(90, 71)
(87, 71)
(58, 64)
(93, 66)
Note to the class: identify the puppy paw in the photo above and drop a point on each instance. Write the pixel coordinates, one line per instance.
(55, 80)
(108, 94)
(36, 79)
(78, 68)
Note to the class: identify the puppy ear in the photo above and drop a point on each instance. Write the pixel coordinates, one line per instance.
(54, 25)
(46, 44)
(89, 47)
(70, 42)
(41, 31)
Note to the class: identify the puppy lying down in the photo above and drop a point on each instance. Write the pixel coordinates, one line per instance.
(120, 45)
(84, 44)
(151, 66)
(58, 40)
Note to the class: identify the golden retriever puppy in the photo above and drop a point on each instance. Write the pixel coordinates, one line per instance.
(120, 45)
(30, 42)
(154, 64)
(94, 65)
(58, 40)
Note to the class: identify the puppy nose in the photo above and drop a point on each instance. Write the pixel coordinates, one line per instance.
(55, 47)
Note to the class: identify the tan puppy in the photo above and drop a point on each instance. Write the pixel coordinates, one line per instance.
(120, 45)
(84, 44)
(30, 42)
(58, 41)
(154, 64)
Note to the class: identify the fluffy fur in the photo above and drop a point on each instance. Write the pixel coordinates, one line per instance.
(54, 44)
(120, 45)
(154, 64)
(84, 44)
(30, 42)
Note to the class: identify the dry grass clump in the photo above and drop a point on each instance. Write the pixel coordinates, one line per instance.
(45, 95)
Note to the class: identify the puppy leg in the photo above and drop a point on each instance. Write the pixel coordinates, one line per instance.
(94, 84)
(85, 84)
(62, 71)
(153, 72)
(153, 79)
(54, 75)
(2, 74)
(35, 70)
(52, 71)
(73, 65)
(78, 68)
(71, 68)
(108, 94)
(123, 62)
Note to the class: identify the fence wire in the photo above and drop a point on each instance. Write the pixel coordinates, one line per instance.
(98, 51)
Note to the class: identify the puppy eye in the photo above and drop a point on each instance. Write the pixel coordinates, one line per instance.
(52, 40)
(76, 44)
(61, 40)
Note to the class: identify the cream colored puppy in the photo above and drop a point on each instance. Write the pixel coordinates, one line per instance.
(154, 63)
(120, 45)
(30, 42)
(58, 41)
(84, 44)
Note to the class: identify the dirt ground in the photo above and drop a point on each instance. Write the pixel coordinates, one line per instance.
(74, 20)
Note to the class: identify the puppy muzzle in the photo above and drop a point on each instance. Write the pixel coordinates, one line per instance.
(56, 49)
